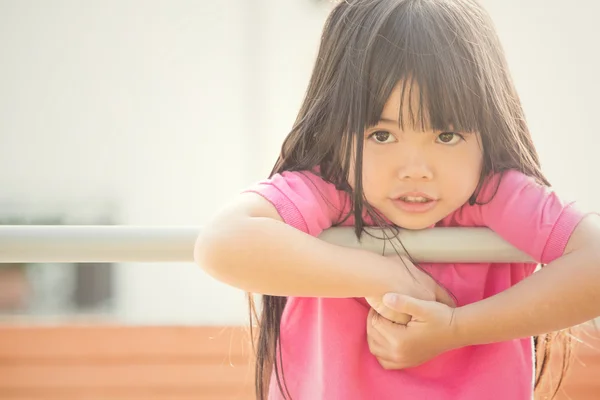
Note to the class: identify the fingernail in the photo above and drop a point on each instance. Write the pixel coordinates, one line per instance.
(390, 299)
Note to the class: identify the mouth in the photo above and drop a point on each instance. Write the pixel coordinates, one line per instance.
(415, 202)
(415, 199)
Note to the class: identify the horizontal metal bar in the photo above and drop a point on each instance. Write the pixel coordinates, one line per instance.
(81, 244)
(96, 243)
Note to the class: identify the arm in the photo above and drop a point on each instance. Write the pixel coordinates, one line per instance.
(250, 247)
(563, 294)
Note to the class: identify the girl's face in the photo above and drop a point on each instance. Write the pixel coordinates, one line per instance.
(415, 178)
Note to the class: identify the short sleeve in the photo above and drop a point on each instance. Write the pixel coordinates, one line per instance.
(527, 214)
(303, 200)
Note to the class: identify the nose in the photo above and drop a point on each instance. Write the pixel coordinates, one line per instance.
(414, 165)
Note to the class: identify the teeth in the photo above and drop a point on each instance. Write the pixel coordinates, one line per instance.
(412, 199)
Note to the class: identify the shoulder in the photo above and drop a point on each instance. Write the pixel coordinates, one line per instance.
(300, 185)
(511, 183)
(525, 212)
(304, 199)
(499, 193)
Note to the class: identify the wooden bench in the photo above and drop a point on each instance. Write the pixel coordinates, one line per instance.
(103, 362)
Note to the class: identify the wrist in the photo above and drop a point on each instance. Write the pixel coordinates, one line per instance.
(465, 332)
(398, 280)
(458, 329)
(382, 274)
(411, 281)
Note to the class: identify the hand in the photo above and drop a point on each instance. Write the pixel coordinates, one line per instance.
(430, 332)
(418, 285)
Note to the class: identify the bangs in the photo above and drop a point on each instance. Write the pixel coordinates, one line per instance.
(434, 57)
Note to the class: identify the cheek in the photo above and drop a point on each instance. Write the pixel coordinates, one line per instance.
(466, 171)
(372, 166)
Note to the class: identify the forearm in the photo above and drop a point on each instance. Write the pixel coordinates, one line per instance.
(564, 293)
(262, 255)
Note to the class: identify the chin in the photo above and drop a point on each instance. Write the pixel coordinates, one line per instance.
(414, 226)
(414, 222)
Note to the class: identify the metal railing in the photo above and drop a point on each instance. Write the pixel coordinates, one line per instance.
(97, 243)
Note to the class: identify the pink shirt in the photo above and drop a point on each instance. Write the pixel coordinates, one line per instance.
(323, 341)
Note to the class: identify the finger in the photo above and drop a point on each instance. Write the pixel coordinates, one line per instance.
(376, 347)
(405, 304)
(374, 338)
(379, 345)
(376, 303)
(389, 365)
(373, 333)
(378, 328)
(394, 316)
(385, 330)
(381, 352)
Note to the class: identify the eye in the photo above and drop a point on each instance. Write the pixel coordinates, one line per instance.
(382, 137)
(450, 138)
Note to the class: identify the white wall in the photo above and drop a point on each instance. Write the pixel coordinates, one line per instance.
(168, 108)
(154, 107)
(554, 56)
(280, 39)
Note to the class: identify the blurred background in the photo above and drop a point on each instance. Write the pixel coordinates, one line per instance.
(157, 112)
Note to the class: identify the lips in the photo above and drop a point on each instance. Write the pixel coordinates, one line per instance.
(415, 202)
(416, 197)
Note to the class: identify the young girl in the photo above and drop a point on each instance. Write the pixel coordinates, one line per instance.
(410, 121)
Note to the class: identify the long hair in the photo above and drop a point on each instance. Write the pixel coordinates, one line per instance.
(449, 50)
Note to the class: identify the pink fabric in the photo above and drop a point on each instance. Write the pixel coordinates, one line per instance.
(324, 347)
